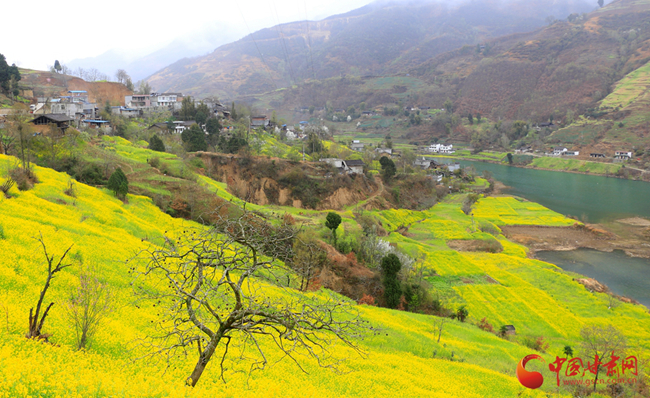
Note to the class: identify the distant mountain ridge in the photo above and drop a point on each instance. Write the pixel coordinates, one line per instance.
(381, 38)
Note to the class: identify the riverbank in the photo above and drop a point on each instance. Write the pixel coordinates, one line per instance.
(549, 163)
(633, 239)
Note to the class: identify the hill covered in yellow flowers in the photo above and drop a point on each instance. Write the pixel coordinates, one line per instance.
(403, 360)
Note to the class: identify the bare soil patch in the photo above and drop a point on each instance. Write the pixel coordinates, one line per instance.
(592, 236)
(636, 221)
(475, 245)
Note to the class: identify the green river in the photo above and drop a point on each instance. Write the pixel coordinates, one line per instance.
(594, 199)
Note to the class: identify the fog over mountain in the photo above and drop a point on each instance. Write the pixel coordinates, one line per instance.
(380, 38)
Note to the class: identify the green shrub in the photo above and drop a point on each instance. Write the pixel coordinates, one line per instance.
(197, 162)
(489, 228)
(118, 184)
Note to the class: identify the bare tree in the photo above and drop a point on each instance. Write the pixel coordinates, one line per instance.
(144, 87)
(601, 342)
(92, 75)
(439, 325)
(88, 306)
(7, 140)
(213, 298)
(36, 325)
(80, 72)
(308, 257)
(122, 76)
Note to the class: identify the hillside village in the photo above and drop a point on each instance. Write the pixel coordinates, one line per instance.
(370, 225)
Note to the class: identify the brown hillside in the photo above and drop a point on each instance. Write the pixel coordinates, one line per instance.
(378, 39)
(568, 65)
(42, 83)
(279, 182)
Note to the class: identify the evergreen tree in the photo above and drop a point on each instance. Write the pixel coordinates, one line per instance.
(388, 168)
(156, 144)
(314, 144)
(194, 139)
(118, 184)
(332, 222)
(213, 127)
(188, 109)
(200, 118)
(233, 112)
(57, 66)
(390, 267)
(9, 75)
(470, 118)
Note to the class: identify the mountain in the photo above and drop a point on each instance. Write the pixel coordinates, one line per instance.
(568, 65)
(140, 66)
(380, 38)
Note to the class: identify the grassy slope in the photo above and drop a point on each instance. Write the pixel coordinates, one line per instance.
(532, 295)
(106, 232)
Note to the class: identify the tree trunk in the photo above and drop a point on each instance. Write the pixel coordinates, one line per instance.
(204, 358)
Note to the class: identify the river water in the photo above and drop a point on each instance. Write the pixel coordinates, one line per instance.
(594, 199)
(624, 275)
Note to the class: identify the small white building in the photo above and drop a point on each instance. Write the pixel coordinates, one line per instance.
(559, 151)
(623, 155)
(440, 148)
(338, 163)
(357, 146)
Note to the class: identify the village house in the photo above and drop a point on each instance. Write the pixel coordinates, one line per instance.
(385, 151)
(104, 125)
(354, 166)
(559, 151)
(510, 330)
(623, 155)
(126, 112)
(180, 126)
(60, 120)
(597, 155)
(426, 164)
(336, 162)
(170, 100)
(159, 127)
(73, 110)
(138, 100)
(260, 121)
(357, 146)
(440, 148)
(571, 153)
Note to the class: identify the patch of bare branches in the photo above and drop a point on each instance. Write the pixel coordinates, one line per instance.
(211, 301)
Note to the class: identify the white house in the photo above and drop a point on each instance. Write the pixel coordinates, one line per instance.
(440, 148)
(623, 155)
(559, 151)
(338, 163)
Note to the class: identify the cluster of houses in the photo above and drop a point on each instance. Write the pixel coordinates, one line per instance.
(618, 155)
(167, 101)
(562, 151)
(74, 108)
(440, 148)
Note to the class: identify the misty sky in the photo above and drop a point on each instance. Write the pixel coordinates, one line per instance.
(49, 30)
